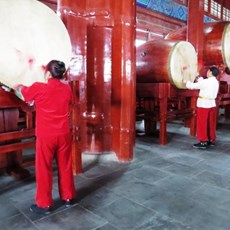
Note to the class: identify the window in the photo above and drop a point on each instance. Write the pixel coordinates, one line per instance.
(215, 9)
(226, 14)
(206, 5)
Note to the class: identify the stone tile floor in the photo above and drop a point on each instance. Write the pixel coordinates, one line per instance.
(170, 187)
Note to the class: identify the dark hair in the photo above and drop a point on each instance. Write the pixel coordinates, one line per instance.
(215, 71)
(56, 68)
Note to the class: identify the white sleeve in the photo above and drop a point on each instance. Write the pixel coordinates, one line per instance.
(188, 84)
(196, 85)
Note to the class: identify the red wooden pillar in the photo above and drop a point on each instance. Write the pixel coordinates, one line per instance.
(193, 118)
(195, 35)
(195, 27)
(99, 74)
(123, 80)
(102, 72)
(163, 102)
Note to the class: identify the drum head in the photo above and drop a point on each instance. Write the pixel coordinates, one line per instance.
(31, 35)
(182, 64)
(226, 45)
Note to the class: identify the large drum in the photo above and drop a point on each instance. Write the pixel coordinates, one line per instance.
(31, 35)
(167, 62)
(216, 42)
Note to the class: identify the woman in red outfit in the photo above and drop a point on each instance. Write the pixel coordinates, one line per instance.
(51, 100)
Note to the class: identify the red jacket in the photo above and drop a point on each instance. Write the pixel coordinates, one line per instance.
(52, 102)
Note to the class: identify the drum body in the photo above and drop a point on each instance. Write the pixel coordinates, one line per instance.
(31, 35)
(216, 42)
(166, 61)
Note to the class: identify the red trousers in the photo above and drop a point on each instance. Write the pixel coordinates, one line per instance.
(48, 148)
(206, 124)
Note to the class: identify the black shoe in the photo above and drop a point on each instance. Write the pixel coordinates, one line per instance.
(211, 143)
(42, 211)
(200, 145)
(69, 203)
